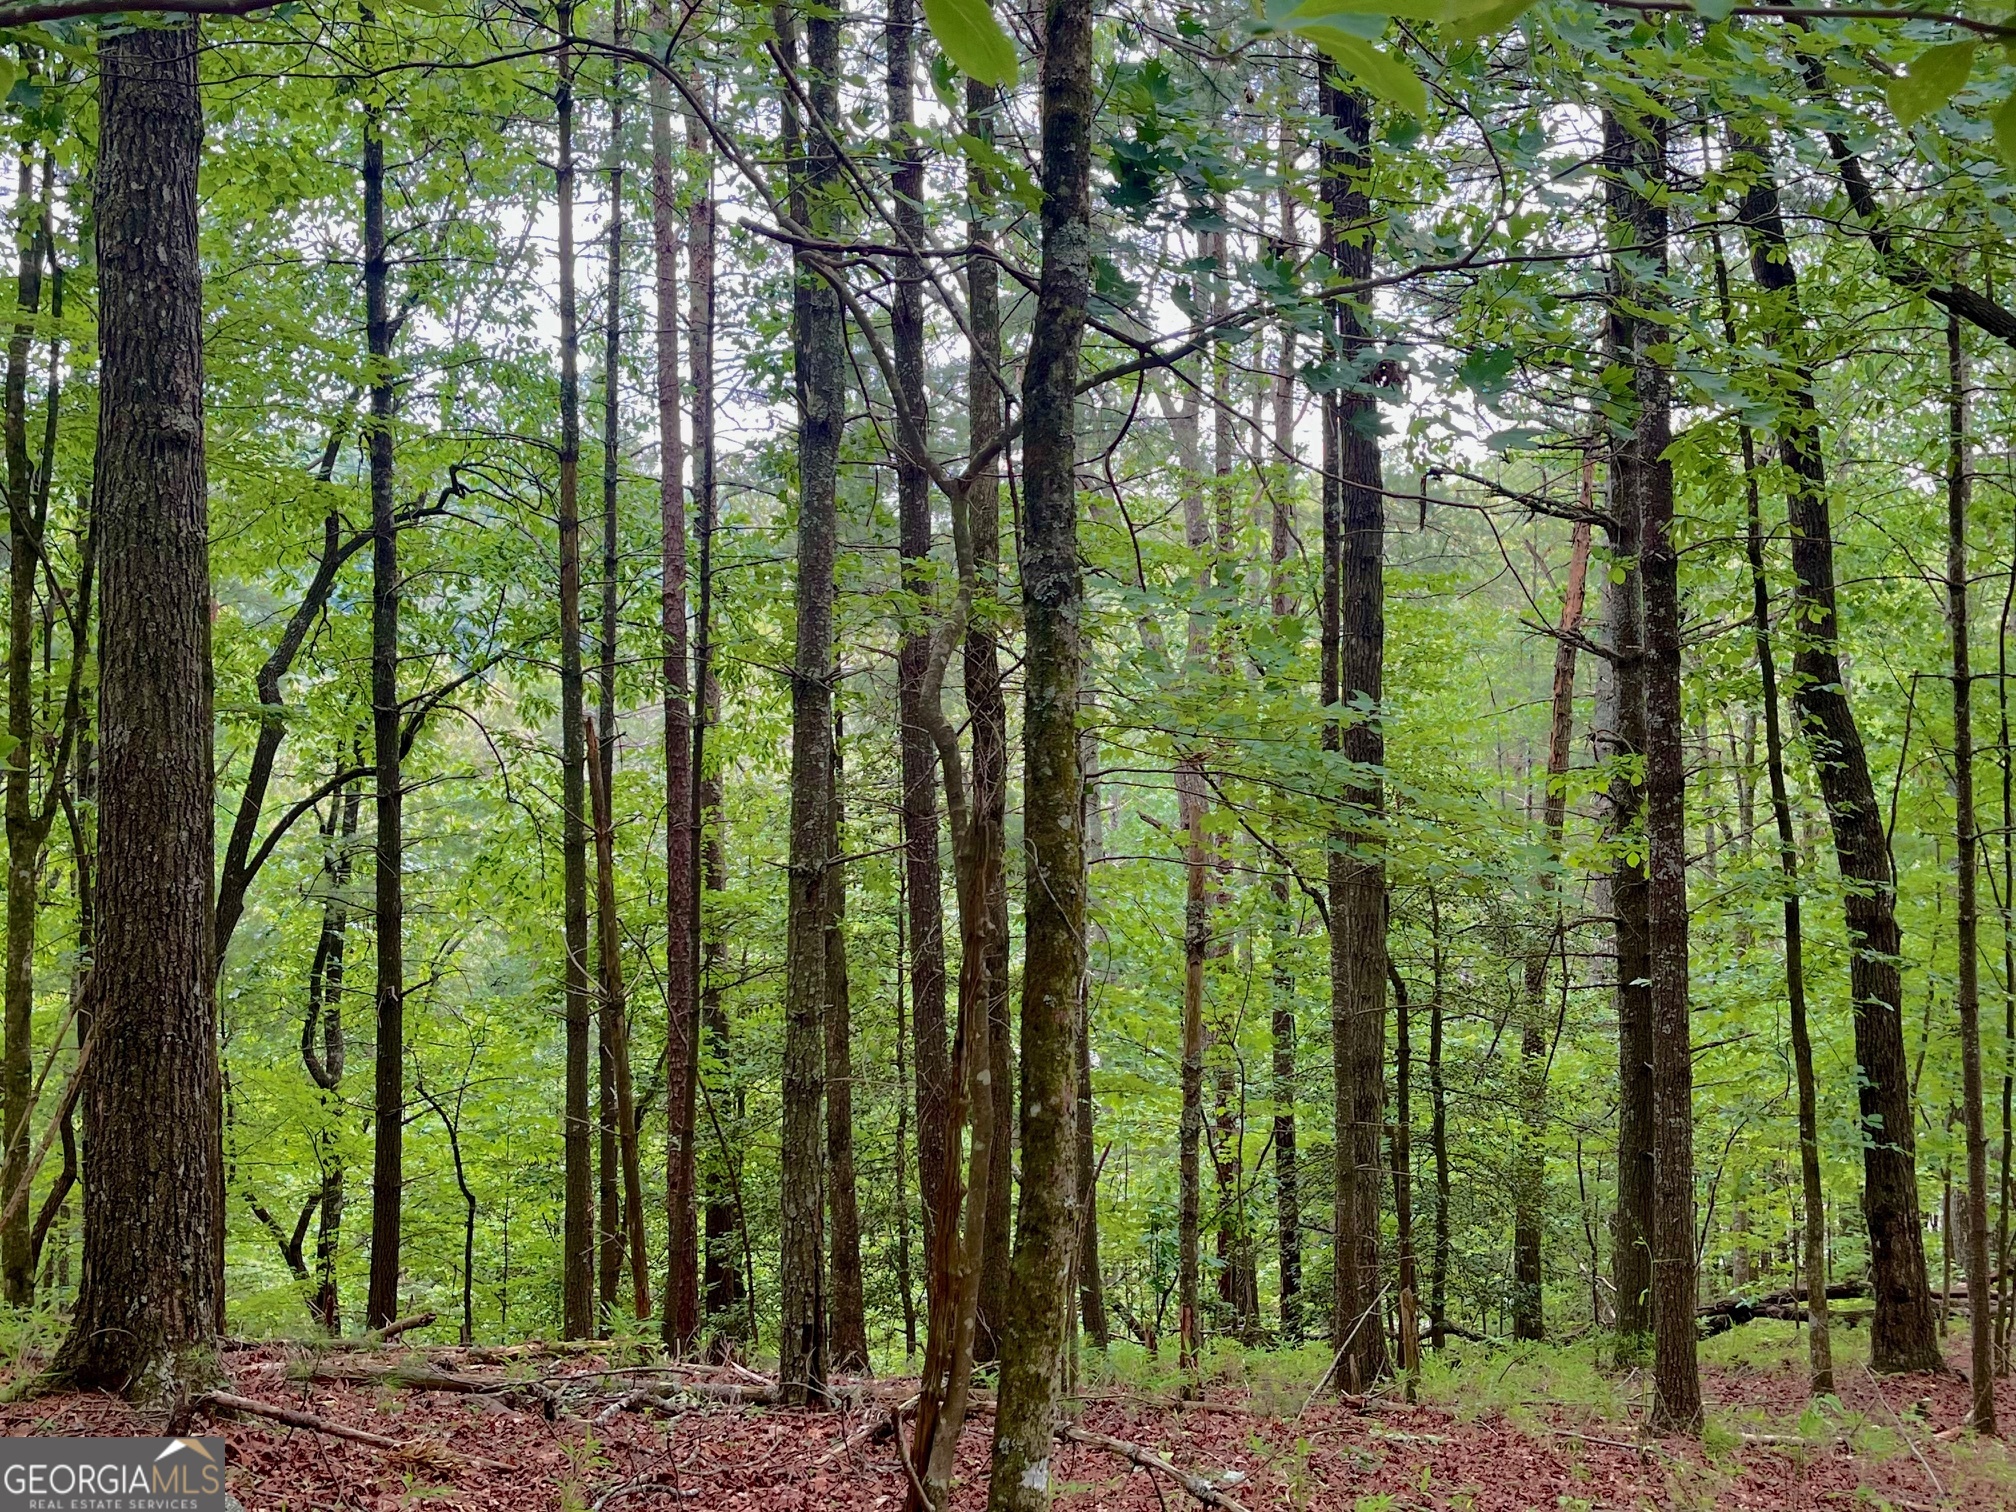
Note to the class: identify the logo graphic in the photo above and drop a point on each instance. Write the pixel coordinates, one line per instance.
(112, 1475)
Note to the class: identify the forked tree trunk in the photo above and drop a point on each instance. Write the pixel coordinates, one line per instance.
(1032, 1342)
(577, 1237)
(148, 1306)
(1902, 1334)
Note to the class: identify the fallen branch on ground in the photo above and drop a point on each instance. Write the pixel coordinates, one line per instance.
(293, 1417)
(1147, 1459)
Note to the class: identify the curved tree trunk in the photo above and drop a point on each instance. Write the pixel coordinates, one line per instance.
(1902, 1334)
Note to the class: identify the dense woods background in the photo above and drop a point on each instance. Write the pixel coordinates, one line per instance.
(1521, 645)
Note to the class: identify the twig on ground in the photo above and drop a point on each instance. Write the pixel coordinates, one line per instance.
(1918, 1453)
(293, 1417)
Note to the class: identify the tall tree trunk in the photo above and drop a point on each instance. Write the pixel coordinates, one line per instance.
(989, 711)
(682, 860)
(1032, 1342)
(616, 1036)
(1812, 1261)
(577, 1239)
(388, 1114)
(923, 886)
(1282, 1025)
(725, 1280)
(1438, 1136)
(1091, 1283)
(1530, 1189)
(324, 1046)
(1967, 992)
(148, 1307)
(849, 1318)
(610, 1210)
(1190, 803)
(1355, 496)
(1635, 153)
(24, 837)
(905, 1270)
(1902, 1334)
(819, 351)
(1624, 743)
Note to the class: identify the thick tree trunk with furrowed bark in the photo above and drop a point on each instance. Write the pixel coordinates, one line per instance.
(148, 1308)
(1635, 153)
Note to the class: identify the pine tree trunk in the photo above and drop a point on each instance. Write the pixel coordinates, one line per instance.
(1282, 1026)
(1190, 802)
(1902, 1335)
(577, 1239)
(819, 355)
(388, 1118)
(1635, 150)
(148, 1307)
(1967, 993)
(682, 861)
(1032, 1341)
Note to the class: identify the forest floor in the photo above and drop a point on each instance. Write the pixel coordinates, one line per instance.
(1493, 1430)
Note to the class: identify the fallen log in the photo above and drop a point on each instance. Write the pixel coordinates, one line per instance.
(1147, 1459)
(224, 1401)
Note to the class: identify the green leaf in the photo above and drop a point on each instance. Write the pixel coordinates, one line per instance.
(1380, 72)
(2004, 121)
(1930, 80)
(10, 75)
(973, 39)
(1470, 19)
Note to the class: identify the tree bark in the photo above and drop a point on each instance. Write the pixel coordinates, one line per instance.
(150, 1299)
(1624, 616)
(1902, 1334)
(1635, 152)
(849, 1318)
(25, 836)
(389, 1055)
(323, 1022)
(577, 1240)
(1812, 1261)
(1032, 1342)
(1438, 1137)
(682, 861)
(613, 1214)
(1530, 1187)
(1190, 801)
(1967, 992)
(819, 351)
(1355, 499)
(616, 1034)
